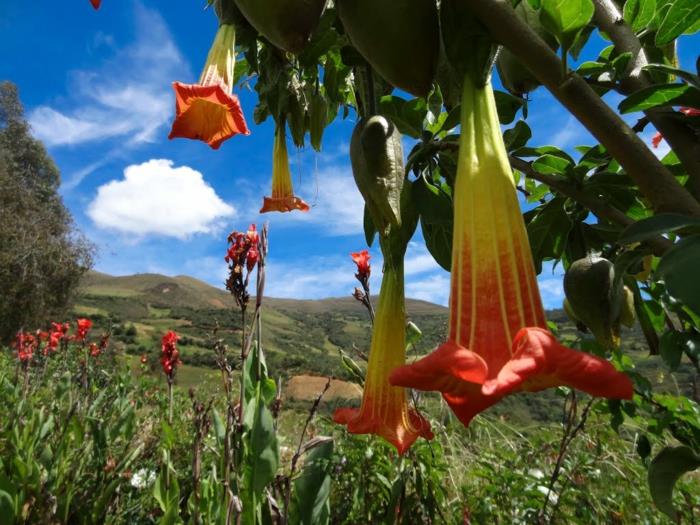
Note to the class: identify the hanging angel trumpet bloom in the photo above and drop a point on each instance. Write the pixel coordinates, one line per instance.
(384, 410)
(377, 163)
(96, 3)
(283, 198)
(498, 339)
(208, 111)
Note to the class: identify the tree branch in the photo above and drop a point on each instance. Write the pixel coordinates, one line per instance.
(598, 207)
(655, 181)
(680, 137)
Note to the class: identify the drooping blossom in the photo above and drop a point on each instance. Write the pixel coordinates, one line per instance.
(96, 3)
(361, 259)
(209, 111)
(384, 410)
(169, 354)
(283, 198)
(658, 137)
(498, 341)
(83, 327)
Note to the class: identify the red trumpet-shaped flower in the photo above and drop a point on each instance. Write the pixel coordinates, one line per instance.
(384, 410)
(208, 111)
(498, 342)
(282, 198)
(96, 3)
(361, 259)
(658, 137)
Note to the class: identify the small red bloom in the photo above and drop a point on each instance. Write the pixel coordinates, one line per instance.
(94, 350)
(361, 259)
(252, 258)
(25, 345)
(144, 359)
(169, 356)
(84, 326)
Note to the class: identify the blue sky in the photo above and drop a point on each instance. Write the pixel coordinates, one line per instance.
(97, 90)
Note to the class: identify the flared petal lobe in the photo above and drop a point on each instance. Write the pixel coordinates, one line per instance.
(494, 293)
(208, 110)
(384, 410)
(283, 198)
(206, 113)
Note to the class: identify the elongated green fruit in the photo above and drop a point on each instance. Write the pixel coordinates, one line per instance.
(596, 299)
(376, 154)
(286, 23)
(515, 77)
(399, 38)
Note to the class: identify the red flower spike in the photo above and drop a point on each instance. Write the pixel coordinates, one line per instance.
(169, 356)
(283, 198)
(361, 259)
(208, 111)
(498, 343)
(384, 410)
(84, 326)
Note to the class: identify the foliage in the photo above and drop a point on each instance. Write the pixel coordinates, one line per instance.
(42, 256)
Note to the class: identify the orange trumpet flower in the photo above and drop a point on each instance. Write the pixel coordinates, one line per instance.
(498, 340)
(208, 110)
(384, 410)
(282, 198)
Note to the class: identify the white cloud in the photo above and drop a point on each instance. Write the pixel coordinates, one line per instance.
(128, 96)
(157, 198)
(434, 288)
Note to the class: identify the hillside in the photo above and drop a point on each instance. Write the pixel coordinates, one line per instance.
(300, 336)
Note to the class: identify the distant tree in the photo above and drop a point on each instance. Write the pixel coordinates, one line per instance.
(42, 255)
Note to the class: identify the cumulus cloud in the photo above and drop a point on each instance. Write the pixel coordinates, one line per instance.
(157, 198)
(127, 96)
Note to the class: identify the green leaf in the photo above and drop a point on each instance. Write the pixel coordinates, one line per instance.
(658, 224)
(548, 231)
(679, 270)
(436, 219)
(517, 136)
(671, 348)
(665, 470)
(682, 15)
(407, 115)
(566, 18)
(7, 507)
(313, 486)
(639, 13)
(507, 106)
(262, 454)
(552, 165)
(685, 75)
(661, 95)
(370, 230)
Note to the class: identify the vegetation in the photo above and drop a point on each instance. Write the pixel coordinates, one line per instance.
(43, 257)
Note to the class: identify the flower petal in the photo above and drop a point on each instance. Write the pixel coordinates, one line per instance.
(539, 361)
(283, 204)
(451, 368)
(206, 113)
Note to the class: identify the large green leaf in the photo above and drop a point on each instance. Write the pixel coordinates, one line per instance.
(661, 95)
(566, 18)
(665, 470)
(312, 487)
(262, 454)
(679, 270)
(639, 13)
(548, 231)
(658, 224)
(407, 115)
(436, 219)
(517, 136)
(682, 15)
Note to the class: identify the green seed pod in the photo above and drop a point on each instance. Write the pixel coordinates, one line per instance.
(286, 23)
(515, 77)
(628, 316)
(594, 298)
(376, 154)
(399, 38)
(318, 118)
